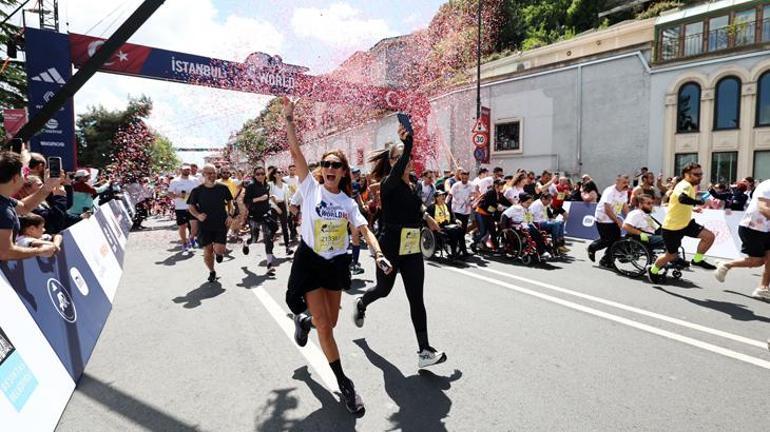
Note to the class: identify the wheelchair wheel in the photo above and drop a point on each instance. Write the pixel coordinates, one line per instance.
(511, 243)
(526, 259)
(630, 257)
(427, 243)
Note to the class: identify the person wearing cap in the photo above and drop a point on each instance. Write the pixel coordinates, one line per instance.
(83, 193)
(444, 217)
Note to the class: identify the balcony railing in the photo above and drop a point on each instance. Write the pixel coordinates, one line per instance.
(734, 36)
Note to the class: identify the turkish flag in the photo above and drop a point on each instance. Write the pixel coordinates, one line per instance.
(128, 59)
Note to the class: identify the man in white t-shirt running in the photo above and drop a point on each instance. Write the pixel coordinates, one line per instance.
(613, 204)
(179, 190)
(754, 231)
(462, 194)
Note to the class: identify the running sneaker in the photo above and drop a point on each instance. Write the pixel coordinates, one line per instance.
(194, 244)
(591, 255)
(429, 357)
(352, 400)
(245, 248)
(762, 293)
(212, 276)
(654, 278)
(359, 312)
(703, 264)
(186, 247)
(355, 269)
(219, 258)
(289, 251)
(301, 329)
(721, 271)
(270, 263)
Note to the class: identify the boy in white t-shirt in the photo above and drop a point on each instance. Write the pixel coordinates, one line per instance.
(32, 233)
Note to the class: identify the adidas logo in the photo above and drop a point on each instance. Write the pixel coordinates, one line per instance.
(49, 76)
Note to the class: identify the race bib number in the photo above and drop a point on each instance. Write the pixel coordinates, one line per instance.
(528, 217)
(560, 196)
(410, 241)
(330, 235)
(618, 208)
(491, 209)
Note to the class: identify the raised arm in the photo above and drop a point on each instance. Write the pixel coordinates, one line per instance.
(398, 169)
(291, 135)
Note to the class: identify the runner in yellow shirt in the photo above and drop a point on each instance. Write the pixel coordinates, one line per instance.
(679, 224)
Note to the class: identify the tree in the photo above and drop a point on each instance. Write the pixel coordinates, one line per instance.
(13, 78)
(163, 158)
(97, 129)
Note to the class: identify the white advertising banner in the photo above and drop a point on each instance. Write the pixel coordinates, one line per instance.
(100, 251)
(34, 385)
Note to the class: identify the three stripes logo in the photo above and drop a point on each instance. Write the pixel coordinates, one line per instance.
(50, 76)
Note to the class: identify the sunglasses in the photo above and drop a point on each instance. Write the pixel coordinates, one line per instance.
(259, 174)
(331, 164)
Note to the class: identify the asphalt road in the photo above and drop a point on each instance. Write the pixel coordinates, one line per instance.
(570, 347)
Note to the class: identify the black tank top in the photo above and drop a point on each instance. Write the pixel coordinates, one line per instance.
(401, 203)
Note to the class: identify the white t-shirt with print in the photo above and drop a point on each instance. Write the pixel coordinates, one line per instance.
(615, 198)
(483, 184)
(539, 211)
(752, 218)
(512, 194)
(641, 221)
(180, 185)
(325, 218)
(293, 182)
(461, 197)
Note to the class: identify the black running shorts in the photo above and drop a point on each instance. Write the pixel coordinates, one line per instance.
(673, 239)
(208, 236)
(182, 217)
(310, 271)
(756, 244)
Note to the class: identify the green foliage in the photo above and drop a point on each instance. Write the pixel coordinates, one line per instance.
(163, 158)
(13, 80)
(98, 127)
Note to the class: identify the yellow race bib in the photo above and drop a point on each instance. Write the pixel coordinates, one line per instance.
(618, 208)
(560, 196)
(410, 241)
(330, 235)
(528, 217)
(442, 214)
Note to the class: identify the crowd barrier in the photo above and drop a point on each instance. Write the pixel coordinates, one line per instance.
(52, 311)
(723, 223)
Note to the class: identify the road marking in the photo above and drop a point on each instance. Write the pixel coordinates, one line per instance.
(312, 353)
(666, 318)
(621, 320)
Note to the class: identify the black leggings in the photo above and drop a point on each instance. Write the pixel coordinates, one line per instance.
(283, 218)
(255, 226)
(413, 274)
(609, 233)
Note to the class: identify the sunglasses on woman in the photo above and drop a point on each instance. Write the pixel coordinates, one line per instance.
(331, 164)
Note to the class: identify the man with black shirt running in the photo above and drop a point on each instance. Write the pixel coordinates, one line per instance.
(211, 203)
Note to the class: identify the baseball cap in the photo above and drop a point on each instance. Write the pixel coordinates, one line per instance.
(82, 173)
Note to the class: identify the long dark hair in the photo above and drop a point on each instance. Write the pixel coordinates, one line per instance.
(345, 182)
(271, 174)
(590, 186)
(381, 160)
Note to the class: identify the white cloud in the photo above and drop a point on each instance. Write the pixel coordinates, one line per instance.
(191, 116)
(340, 25)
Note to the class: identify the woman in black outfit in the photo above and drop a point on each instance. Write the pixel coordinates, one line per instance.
(257, 200)
(402, 218)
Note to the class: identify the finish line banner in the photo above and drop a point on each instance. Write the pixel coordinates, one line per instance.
(52, 312)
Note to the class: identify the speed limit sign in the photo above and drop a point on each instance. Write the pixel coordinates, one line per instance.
(480, 139)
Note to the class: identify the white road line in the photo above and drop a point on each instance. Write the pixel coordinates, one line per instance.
(621, 320)
(312, 353)
(737, 338)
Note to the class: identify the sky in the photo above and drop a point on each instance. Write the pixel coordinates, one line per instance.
(316, 34)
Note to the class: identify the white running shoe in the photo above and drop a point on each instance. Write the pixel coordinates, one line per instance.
(721, 271)
(762, 293)
(428, 357)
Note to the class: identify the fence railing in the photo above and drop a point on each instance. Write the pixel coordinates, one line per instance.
(674, 45)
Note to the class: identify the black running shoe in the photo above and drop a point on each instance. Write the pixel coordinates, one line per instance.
(352, 400)
(219, 258)
(591, 255)
(301, 329)
(245, 249)
(212, 276)
(654, 278)
(703, 264)
(359, 312)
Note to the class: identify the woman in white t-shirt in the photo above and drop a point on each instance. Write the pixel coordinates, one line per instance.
(320, 270)
(279, 197)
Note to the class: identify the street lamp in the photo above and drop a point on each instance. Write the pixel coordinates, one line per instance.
(478, 76)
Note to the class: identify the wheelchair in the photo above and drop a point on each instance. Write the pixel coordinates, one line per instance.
(517, 243)
(631, 256)
(434, 243)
